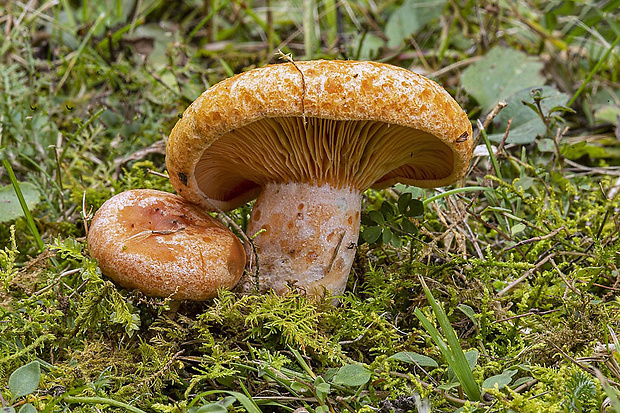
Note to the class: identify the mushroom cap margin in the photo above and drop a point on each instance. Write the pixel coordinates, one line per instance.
(337, 90)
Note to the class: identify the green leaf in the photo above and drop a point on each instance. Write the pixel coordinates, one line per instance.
(299, 387)
(212, 408)
(545, 145)
(526, 123)
(516, 228)
(387, 210)
(321, 388)
(409, 227)
(606, 105)
(370, 46)
(469, 312)
(352, 375)
(524, 183)
(499, 74)
(449, 385)
(607, 114)
(414, 358)
(561, 108)
(583, 148)
(377, 217)
(387, 235)
(371, 234)
(409, 18)
(521, 381)
(28, 408)
(410, 207)
(531, 106)
(396, 241)
(247, 403)
(25, 379)
(415, 208)
(472, 357)
(10, 208)
(501, 380)
(403, 202)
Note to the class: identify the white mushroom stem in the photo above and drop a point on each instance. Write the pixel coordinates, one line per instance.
(307, 237)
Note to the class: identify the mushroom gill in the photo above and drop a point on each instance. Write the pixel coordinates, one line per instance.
(354, 154)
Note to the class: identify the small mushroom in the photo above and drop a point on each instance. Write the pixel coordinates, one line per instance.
(308, 138)
(161, 244)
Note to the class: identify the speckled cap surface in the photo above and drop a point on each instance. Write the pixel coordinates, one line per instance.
(342, 123)
(162, 245)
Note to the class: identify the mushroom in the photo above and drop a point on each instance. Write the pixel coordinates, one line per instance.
(162, 245)
(307, 139)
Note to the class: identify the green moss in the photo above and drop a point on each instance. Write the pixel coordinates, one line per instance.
(84, 111)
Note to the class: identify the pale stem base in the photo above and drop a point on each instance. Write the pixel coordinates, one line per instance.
(307, 238)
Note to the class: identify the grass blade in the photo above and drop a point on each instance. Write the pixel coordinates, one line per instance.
(101, 400)
(29, 221)
(452, 192)
(487, 143)
(594, 70)
(451, 350)
(247, 403)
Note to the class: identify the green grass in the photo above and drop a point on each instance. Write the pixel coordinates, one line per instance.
(499, 294)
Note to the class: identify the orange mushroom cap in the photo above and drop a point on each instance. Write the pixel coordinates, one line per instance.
(164, 246)
(307, 138)
(340, 123)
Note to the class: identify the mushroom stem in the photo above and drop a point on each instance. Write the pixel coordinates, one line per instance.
(307, 237)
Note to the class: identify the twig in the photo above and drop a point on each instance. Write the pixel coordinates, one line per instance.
(492, 114)
(473, 239)
(441, 392)
(525, 385)
(594, 170)
(587, 369)
(529, 313)
(535, 239)
(493, 227)
(161, 371)
(158, 147)
(561, 274)
(608, 287)
(142, 235)
(77, 290)
(248, 244)
(335, 254)
(358, 338)
(289, 58)
(159, 174)
(420, 54)
(526, 274)
(57, 280)
(502, 143)
(454, 66)
(86, 216)
(556, 142)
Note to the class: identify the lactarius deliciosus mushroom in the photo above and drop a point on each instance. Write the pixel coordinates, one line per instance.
(161, 244)
(308, 138)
